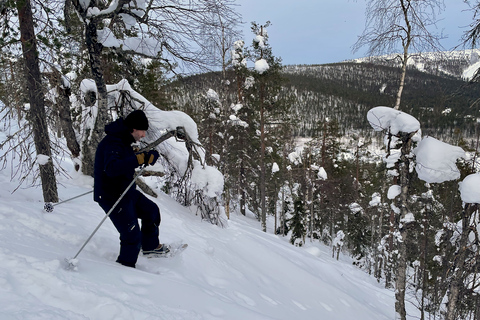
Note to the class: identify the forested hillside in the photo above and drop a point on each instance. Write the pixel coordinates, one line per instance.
(346, 91)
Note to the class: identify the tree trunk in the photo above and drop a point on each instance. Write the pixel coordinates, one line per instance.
(406, 45)
(97, 132)
(402, 80)
(459, 263)
(401, 275)
(243, 188)
(65, 116)
(36, 97)
(262, 159)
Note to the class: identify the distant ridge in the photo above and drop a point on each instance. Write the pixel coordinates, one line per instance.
(436, 92)
(457, 63)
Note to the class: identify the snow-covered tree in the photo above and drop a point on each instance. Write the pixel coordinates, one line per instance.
(402, 130)
(147, 30)
(18, 21)
(401, 26)
(263, 98)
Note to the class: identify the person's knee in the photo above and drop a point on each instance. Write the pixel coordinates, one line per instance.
(152, 212)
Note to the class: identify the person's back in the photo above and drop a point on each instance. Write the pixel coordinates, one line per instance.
(115, 163)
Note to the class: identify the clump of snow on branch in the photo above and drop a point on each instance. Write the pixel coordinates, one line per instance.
(322, 174)
(42, 159)
(470, 188)
(249, 82)
(355, 208)
(436, 160)
(212, 95)
(160, 120)
(145, 46)
(238, 59)
(261, 66)
(208, 179)
(409, 217)
(236, 107)
(236, 121)
(233, 119)
(391, 159)
(394, 191)
(295, 158)
(385, 118)
(260, 40)
(137, 9)
(275, 167)
(376, 200)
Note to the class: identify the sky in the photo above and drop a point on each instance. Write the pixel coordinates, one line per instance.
(324, 31)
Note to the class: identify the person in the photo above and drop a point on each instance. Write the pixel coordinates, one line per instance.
(114, 170)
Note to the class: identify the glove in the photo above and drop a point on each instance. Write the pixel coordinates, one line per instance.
(141, 157)
(152, 157)
(147, 157)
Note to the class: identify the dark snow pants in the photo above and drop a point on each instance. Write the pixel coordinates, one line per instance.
(125, 219)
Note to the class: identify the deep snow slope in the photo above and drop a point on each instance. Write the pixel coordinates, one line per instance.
(237, 272)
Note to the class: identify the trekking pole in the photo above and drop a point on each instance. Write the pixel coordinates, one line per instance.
(49, 205)
(72, 263)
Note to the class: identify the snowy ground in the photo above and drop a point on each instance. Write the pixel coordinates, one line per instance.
(237, 272)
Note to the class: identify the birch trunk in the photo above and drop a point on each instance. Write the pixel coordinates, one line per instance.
(401, 275)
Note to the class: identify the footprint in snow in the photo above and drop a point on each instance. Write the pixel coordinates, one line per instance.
(135, 281)
(268, 299)
(245, 299)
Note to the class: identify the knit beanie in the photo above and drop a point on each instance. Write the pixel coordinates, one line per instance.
(136, 120)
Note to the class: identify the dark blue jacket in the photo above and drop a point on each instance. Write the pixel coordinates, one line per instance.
(115, 164)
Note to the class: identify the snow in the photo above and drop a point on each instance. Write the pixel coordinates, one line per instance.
(260, 40)
(42, 159)
(436, 160)
(212, 95)
(394, 191)
(261, 66)
(84, 3)
(249, 82)
(376, 200)
(236, 272)
(208, 179)
(338, 241)
(322, 174)
(384, 118)
(409, 217)
(145, 46)
(294, 158)
(237, 54)
(234, 120)
(355, 208)
(275, 167)
(469, 190)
